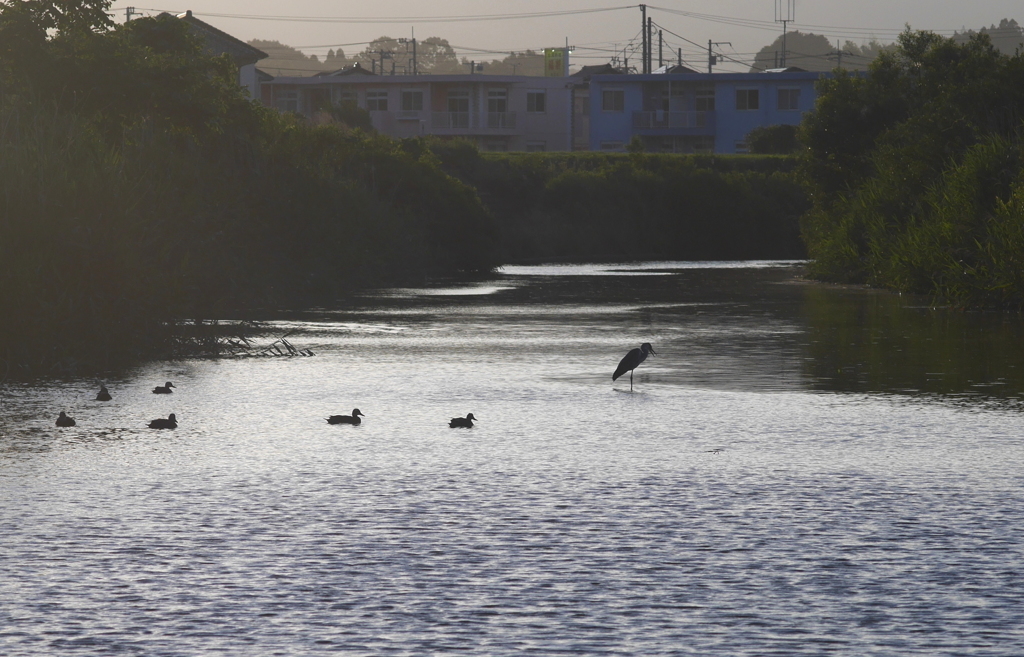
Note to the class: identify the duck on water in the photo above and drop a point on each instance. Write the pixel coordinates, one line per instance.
(170, 422)
(64, 421)
(164, 389)
(462, 422)
(103, 394)
(346, 419)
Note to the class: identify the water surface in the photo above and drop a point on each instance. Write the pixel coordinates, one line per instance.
(802, 470)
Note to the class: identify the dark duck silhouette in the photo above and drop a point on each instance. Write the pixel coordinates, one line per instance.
(631, 360)
(164, 389)
(463, 422)
(170, 422)
(346, 419)
(65, 421)
(103, 394)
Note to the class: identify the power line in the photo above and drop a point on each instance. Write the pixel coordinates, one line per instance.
(466, 18)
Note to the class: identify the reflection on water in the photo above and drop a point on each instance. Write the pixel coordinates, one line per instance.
(867, 341)
(801, 470)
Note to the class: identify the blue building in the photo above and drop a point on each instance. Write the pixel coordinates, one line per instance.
(694, 112)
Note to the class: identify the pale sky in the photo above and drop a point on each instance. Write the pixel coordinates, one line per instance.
(314, 26)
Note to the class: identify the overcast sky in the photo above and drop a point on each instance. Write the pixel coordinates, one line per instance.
(314, 26)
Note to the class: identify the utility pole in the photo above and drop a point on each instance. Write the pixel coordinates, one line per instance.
(712, 59)
(406, 43)
(650, 45)
(785, 12)
(680, 56)
(838, 52)
(643, 35)
(129, 12)
(661, 43)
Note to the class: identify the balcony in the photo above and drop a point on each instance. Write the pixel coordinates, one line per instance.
(683, 122)
(497, 121)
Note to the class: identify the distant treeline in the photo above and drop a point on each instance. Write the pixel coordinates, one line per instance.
(432, 56)
(140, 188)
(916, 173)
(634, 206)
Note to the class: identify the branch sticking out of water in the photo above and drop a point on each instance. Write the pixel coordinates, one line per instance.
(212, 339)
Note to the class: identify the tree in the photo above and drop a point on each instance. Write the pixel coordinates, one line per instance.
(904, 165)
(814, 52)
(1008, 36)
(773, 140)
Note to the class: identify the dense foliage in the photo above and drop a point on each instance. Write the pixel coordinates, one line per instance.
(916, 173)
(773, 140)
(635, 206)
(141, 187)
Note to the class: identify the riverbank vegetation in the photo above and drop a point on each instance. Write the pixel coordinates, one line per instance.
(141, 187)
(611, 206)
(916, 173)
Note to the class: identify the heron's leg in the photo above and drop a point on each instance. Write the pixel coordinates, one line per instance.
(631, 380)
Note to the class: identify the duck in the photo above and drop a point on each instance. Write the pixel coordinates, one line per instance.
(164, 389)
(170, 422)
(103, 394)
(65, 421)
(463, 422)
(346, 419)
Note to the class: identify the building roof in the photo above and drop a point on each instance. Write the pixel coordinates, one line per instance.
(673, 68)
(355, 69)
(595, 69)
(218, 42)
(788, 69)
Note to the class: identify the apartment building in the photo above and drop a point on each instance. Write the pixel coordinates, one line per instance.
(497, 112)
(695, 112)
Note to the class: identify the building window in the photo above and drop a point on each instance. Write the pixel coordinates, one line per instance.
(347, 97)
(377, 101)
(704, 98)
(458, 108)
(789, 99)
(536, 101)
(613, 100)
(497, 101)
(412, 101)
(611, 146)
(741, 147)
(747, 99)
(536, 146)
(287, 101)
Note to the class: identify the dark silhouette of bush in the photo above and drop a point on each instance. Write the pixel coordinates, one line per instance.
(773, 140)
(142, 189)
(914, 170)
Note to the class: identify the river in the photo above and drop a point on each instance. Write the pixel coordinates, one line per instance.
(799, 470)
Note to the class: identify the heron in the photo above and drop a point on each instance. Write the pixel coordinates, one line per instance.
(103, 394)
(65, 421)
(463, 422)
(632, 360)
(170, 422)
(346, 419)
(164, 389)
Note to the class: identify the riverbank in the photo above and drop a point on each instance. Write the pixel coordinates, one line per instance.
(613, 206)
(916, 170)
